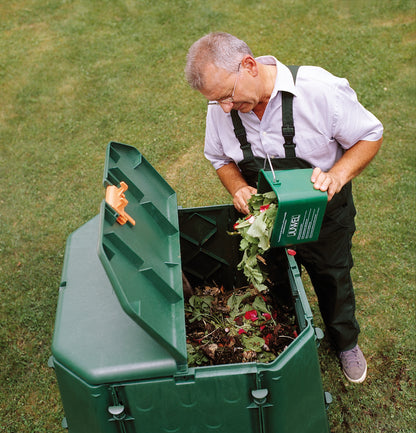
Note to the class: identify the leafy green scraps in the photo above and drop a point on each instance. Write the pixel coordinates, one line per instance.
(256, 230)
(238, 326)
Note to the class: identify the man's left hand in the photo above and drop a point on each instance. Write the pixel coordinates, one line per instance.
(350, 165)
(326, 181)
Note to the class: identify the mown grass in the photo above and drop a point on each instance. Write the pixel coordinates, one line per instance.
(76, 74)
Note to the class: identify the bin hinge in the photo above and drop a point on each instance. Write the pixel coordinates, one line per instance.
(118, 412)
(259, 397)
(328, 399)
(319, 335)
(51, 363)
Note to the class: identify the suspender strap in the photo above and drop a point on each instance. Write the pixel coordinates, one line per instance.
(240, 133)
(288, 127)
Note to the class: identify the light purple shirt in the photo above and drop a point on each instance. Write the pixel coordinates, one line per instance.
(327, 116)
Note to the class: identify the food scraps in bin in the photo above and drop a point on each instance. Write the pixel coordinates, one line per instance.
(242, 325)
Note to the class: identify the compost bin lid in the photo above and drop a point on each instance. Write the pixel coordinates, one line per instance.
(139, 246)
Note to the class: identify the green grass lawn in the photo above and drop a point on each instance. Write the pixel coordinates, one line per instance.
(75, 75)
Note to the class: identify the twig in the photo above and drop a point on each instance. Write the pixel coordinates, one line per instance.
(285, 336)
(205, 336)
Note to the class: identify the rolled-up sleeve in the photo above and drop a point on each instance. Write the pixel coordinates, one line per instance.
(213, 149)
(352, 122)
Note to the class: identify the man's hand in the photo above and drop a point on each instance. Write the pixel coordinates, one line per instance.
(326, 182)
(241, 196)
(236, 185)
(350, 165)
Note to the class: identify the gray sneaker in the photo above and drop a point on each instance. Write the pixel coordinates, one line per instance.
(354, 364)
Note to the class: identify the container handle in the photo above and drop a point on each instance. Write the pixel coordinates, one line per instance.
(271, 167)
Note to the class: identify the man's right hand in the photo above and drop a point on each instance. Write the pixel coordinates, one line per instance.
(236, 185)
(241, 197)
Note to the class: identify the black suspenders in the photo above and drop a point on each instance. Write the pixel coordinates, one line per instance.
(240, 133)
(288, 127)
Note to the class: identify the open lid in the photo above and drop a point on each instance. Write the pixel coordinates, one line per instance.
(139, 246)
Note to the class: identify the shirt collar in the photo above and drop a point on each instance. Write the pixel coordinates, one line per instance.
(284, 79)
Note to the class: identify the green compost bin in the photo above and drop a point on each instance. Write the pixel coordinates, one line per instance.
(301, 207)
(119, 345)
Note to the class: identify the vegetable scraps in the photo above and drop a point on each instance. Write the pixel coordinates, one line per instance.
(255, 230)
(225, 327)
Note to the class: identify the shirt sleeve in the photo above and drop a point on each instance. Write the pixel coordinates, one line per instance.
(213, 149)
(353, 122)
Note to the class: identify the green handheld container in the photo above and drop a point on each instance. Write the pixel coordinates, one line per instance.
(301, 207)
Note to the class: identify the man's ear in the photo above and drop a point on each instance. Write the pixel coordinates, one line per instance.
(249, 63)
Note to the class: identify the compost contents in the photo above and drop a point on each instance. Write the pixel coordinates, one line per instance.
(242, 325)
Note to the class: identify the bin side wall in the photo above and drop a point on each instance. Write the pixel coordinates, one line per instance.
(205, 405)
(296, 393)
(85, 405)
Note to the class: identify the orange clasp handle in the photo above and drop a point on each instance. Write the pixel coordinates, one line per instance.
(117, 200)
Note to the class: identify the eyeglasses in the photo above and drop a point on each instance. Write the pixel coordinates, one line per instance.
(230, 99)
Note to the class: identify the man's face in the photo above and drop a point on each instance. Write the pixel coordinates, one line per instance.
(231, 90)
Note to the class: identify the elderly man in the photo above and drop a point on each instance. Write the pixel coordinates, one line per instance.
(259, 109)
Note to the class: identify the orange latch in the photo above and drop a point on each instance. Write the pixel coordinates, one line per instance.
(117, 200)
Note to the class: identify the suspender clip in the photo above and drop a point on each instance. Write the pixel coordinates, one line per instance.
(288, 132)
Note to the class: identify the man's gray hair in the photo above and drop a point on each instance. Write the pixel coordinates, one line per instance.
(220, 49)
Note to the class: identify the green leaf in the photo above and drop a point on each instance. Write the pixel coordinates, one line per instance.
(200, 306)
(234, 302)
(260, 305)
(252, 343)
(266, 357)
(195, 356)
(269, 197)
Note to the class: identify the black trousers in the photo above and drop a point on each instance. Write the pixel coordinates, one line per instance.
(328, 262)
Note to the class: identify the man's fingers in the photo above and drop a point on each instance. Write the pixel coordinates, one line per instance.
(325, 182)
(241, 206)
(316, 172)
(321, 180)
(241, 198)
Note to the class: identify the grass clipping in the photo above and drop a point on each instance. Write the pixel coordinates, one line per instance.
(243, 325)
